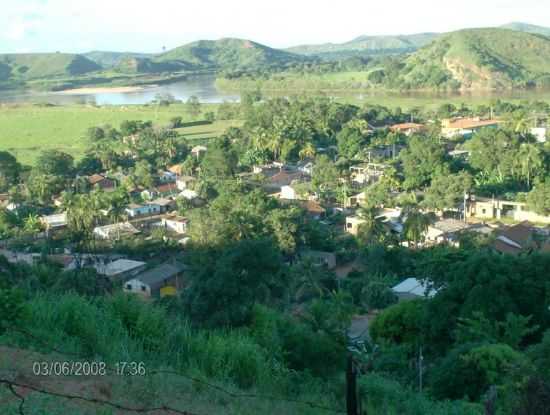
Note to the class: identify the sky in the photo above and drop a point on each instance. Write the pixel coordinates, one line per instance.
(148, 26)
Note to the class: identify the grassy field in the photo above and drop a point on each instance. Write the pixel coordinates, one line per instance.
(25, 130)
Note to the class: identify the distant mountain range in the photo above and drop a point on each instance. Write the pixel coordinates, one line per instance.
(391, 45)
(472, 58)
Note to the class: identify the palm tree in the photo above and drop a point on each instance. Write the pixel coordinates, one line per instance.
(530, 159)
(372, 228)
(308, 151)
(415, 226)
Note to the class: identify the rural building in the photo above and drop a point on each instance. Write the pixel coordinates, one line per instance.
(115, 231)
(161, 281)
(353, 223)
(485, 208)
(465, 127)
(121, 269)
(367, 173)
(148, 209)
(540, 134)
(167, 177)
(411, 289)
(166, 189)
(198, 151)
(356, 200)
(54, 222)
(445, 230)
(188, 194)
(408, 128)
(101, 182)
(515, 239)
(184, 182)
(165, 205)
(174, 223)
(320, 258)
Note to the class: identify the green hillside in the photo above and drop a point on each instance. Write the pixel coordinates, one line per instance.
(44, 65)
(367, 45)
(228, 54)
(474, 59)
(110, 59)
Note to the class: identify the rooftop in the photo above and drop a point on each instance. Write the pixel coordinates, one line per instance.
(119, 266)
(468, 123)
(414, 287)
(163, 272)
(450, 225)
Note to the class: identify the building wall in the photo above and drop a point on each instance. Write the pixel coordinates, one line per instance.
(287, 192)
(352, 224)
(137, 287)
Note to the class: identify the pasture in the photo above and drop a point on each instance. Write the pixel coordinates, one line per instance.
(26, 130)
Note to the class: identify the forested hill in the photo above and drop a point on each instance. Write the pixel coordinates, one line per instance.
(474, 59)
(14, 67)
(110, 59)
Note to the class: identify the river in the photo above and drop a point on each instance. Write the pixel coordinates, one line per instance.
(203, 87)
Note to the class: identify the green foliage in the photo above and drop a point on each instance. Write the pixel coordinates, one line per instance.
(9, 170)
(422, 159)
(11, 307)
(400, 324)
(447, 191)
(538, 199)
(469, 370)
(226, 285)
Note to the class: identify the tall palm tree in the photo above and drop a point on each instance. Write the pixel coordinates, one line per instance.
(372, 229)
(530, 160)
(415, 226)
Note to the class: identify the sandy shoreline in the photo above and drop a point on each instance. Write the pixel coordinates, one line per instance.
(101, 90)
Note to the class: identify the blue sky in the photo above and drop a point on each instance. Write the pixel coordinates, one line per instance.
(147, 26)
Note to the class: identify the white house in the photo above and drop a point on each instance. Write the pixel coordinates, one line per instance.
(135, 210)
(289, 193)
(539, 133)
(115, 231)
(121, 269)
(445, 230)
(176, 224)
(189, 194)
(183, 182)
(412, 288)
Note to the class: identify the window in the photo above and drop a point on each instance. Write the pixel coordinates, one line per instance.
(483, 211)
(143, 288)
(349, 225)
(129, 286)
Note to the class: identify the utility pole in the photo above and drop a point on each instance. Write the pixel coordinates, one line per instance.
(490, 403)
(420, 370)
(351, 388)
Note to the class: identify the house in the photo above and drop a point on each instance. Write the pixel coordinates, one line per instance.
(313, 209)
(166, 189)
(465, 127)
(367, 173)
(515, 239)
(407, 128)
(283, 178)
(184, 182)
(197, 151)
(353, 223)
(101, 182)
(540, 134)
(163, 280)
(121, 269)
(167, 177)
(165, 205)
(115, 231)
(320, 258)
(445, 230)
(189, 194)
(411, 289)
(54, 222)
(174, 223)
(177, 169)
(134, 210)
(356, 200)
(148, 194)
(306, 167)
(4, 199)
(485, 208)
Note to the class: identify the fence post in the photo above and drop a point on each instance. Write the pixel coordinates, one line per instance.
(351, 387)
